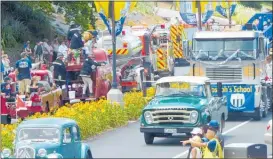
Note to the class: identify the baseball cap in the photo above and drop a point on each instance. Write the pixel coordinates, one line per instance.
(214, 124)
(196, 131)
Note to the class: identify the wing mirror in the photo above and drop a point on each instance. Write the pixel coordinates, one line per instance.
(219, 89)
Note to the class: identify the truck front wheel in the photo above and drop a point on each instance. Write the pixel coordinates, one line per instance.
(149, 138)
(258, 114)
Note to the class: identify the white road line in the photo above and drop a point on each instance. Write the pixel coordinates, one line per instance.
(228, 131)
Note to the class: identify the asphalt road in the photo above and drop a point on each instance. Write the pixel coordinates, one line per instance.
(128, 142)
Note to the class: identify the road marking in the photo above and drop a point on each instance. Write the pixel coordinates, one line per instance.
(228, 131)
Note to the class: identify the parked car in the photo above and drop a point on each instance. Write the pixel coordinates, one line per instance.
(48, 138)
(268, 134)
(180, 104)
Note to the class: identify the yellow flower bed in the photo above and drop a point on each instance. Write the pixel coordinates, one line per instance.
(92, 117)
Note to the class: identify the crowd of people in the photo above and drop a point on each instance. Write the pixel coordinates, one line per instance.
(57, 55)
(206, 142)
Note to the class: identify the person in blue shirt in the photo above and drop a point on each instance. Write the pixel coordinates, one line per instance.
(2, 71)
(23, 67)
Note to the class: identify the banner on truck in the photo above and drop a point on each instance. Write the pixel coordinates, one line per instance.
(240, 97)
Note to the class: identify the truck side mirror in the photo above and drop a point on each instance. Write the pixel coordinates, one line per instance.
(186, 48)
(219, 89)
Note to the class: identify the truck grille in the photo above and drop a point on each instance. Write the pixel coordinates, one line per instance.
(25, 152)
(171, 116)
(224, 73)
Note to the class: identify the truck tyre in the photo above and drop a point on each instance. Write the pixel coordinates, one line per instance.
(149, 138)
(88, 155)
(258, 114)
(265, 112)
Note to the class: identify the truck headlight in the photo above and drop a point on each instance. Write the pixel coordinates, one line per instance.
(6, 153)
(148, 117)
(42, 153)
(193, 117)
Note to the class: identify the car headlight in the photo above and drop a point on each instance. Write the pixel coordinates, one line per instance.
(42, 153)
(148, 117)
(193, 117)
(54, 155)
(6, 153)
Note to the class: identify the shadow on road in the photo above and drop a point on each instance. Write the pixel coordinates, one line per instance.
(173, 141)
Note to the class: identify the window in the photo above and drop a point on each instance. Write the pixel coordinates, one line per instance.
(67, 135)
(75, 133)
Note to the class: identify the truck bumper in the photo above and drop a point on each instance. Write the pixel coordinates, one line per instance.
(244, 114)
(162, 130)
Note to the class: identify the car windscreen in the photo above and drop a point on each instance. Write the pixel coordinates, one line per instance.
(39, 134)
(180, 89)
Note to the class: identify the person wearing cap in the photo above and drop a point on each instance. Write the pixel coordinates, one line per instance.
(195, 132)
(212, 148)
(88, 67)
(23, 67)
(59, 70)
(219, 136)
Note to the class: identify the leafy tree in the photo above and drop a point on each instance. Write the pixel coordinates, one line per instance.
(251, 4)
(81, 12)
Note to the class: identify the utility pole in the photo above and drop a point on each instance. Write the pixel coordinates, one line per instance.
(199, 21)
(114, 84)
(229, 14)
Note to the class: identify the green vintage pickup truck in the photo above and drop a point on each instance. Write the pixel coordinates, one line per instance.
(180, 104)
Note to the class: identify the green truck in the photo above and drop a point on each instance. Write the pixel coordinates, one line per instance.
(180, 104)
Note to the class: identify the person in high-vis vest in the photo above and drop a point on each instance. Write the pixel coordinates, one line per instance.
(210, 149)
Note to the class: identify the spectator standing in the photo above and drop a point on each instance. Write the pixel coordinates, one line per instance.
(46, 51)
(55, 49)
(27, 49)
(23, 67)
(25, 45)
(6, 63)
(63, 49)
(38, 51)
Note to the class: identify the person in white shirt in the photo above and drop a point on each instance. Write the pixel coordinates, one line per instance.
(63, 49)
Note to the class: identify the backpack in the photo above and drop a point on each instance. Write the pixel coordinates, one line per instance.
(218, 153)
(39, 50)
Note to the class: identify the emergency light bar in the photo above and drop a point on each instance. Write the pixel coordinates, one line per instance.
(125, 45)
(162, 26)
(123, 32)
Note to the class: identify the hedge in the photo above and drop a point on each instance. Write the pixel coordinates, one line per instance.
(92, 117)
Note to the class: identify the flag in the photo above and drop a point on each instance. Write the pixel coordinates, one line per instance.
(20, 104)
(121, 10)
(188, 11)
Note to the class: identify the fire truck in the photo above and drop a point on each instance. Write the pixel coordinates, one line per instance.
(129, 62)
(155, 41)
(102, 78)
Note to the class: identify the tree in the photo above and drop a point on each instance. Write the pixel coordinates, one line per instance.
(81, 12)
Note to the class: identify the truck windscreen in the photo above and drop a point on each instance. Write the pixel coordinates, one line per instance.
(221, 49)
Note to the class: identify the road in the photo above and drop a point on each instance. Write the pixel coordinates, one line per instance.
(128, 142)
